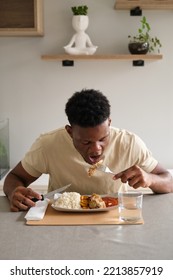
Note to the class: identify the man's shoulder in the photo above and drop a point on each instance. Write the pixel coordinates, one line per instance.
(56, 132)
(119, 132)
(125, 137)
(59, 134)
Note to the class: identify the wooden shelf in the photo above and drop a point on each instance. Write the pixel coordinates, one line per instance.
(144, 4)
(132, 57)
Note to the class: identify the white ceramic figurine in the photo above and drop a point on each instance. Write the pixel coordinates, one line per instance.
(80, 42)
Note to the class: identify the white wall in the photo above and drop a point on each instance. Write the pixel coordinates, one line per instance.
(33, 92)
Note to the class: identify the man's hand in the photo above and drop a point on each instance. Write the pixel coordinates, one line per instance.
(135, 176)
(20, 199)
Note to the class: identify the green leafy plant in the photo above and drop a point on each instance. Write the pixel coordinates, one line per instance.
(80, 10)
(2, 150)
(144, 36)
(3, 157)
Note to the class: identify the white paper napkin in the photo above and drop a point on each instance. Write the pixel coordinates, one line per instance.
(37, 212)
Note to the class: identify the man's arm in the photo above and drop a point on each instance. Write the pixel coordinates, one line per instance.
(159, 180)
(15, 187)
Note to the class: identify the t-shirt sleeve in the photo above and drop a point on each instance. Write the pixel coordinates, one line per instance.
(144, 157)
(34, 161)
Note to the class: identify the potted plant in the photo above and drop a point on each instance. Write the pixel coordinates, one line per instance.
(143, 42)
(80, 10)
(80, 42)
(4, 166)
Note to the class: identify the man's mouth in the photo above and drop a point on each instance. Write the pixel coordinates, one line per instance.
(95, 159)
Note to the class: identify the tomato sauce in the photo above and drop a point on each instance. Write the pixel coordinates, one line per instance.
(110, 201)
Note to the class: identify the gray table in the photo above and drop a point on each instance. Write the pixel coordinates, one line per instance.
(153, 240)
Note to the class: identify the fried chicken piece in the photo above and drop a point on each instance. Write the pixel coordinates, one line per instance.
(94, 167)
(96, 201)
(92, 202)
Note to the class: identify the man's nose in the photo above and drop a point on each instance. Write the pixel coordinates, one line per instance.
(95, 147)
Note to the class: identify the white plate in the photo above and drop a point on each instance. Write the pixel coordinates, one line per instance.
(88, 210)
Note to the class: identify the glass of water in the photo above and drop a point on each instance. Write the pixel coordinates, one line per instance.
(130, 205)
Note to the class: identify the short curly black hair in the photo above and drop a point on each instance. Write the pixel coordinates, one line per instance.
(87, 108)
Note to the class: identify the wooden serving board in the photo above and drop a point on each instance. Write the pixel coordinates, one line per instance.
(59, 218)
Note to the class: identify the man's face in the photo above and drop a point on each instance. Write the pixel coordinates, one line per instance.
(90, 142)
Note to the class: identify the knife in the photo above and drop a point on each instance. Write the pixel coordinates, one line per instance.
(51, 194)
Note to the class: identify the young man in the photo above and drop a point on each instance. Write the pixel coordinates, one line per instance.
(66, 154)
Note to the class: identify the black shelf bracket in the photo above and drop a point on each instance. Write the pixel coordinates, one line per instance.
(137, 11)
(138, 62)
(67, 63)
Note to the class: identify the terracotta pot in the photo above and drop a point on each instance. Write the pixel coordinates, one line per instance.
(138, 48)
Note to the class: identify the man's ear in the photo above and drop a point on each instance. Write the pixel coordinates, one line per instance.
(69, 129)
(109, 123)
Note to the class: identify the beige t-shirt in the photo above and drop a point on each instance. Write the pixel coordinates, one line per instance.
(54, 153)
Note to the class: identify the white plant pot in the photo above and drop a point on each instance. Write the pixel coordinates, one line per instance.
(80, 42)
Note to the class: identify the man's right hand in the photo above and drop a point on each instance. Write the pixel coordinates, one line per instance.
(21, 199)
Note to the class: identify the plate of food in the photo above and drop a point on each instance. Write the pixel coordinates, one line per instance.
(74, 202)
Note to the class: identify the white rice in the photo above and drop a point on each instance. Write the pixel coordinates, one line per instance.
(70, 200)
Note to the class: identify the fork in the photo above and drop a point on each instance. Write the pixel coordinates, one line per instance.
(105, 169)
